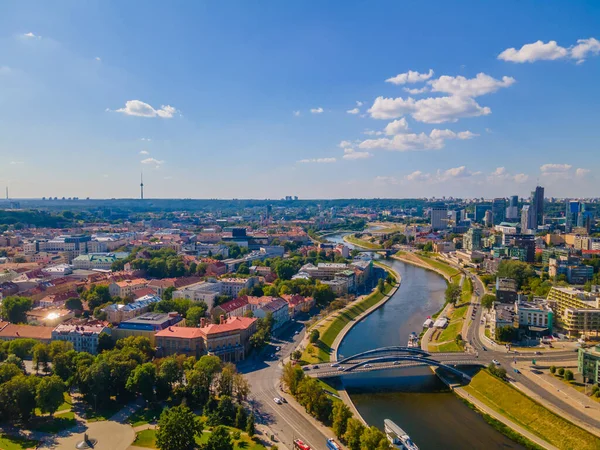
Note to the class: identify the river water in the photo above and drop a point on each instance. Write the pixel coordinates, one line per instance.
(414, 398)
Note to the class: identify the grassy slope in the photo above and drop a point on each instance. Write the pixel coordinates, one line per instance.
(362, 242)
(529, 414)
(14, 443)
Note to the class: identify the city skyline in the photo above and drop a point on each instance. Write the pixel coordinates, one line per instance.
(215, 101)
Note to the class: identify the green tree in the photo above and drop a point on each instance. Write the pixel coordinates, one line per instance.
(170, 371)
(354, 430)
(487, 301)
(292, 376)
(250, 427)
(226, 410)
(9, 371)
(74, 304)
(142, 381)
(314, 399)
(243, 269)
(381, 285)
(561, 371)
(225, 384)
(63, 364)
(552, 370)
(168, 293)
(177, 429)
(322, 294)
(195, 313)
(340, 416)
(314, 336)
(240, 417)
(285, 269)
(14, 309)
(50, 394)
(373, 439)
(41, 356)
(15, 360)
(519, 271)
(17, 398)
(105, 342)
(219, 440)
(568, 375)
(22, 347)
(453, 293)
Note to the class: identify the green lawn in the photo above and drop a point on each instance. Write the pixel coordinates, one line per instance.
(55, 424)
(16, 443)
(145, 415)
(362, 243)
(529, 414)
(327, 387)
(446, 269)
(448, 347)
(328, 334)
(147, 438)
(450, 332)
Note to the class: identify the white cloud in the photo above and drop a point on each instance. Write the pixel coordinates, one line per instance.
(474, 87)
(537, 51)
(582, 172)
(550, 51)
(372, 132)
(296, 113)
(584, 47)
(417, 175)
(555, 168)
(353, 111)
(144, 152)
(428, 110)
(396, 127)
(386, 180)
(415, 142)
(416, 91)
(141, 109)
(97, 58)
(359, 103)
(352, 155)
(318, 160)
(145, 139)
(318, 110)
(345, 144)
(168, 178)
(30, 35)
(154, 161)
(16, 163)
(410, 77)
(500, 175)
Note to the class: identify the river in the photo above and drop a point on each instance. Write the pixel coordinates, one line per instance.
(414, 398)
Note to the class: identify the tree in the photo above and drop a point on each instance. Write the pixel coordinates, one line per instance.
(63, 364)
(225, 410)
(240, 417)
(250, 428)
(519, 271)
(219, 440)
(105, 342)
(241, 387)
(14, 309)
(552, 370)
(373, 439)
(323, 294)
(487, 301)
(243, 269)
(225, 384)
(140, 343)
(453, 293)
(311, 396)
(381, 285)
(428, 247)
(291, 377)
(568, 375)
(314, 336)
(340, 416)
(296, 355)
(74, 304)
(354, 430)
(195, 313)
(499, 372)
(22, 347)
(170, 371)
(17, 398)
(50, 394)
(177, 429)
(285, 269)
(15, 360)
(561, 371)
(41, 356)
(9, 371)
(168, 293)
(505, 334)
(142, 381)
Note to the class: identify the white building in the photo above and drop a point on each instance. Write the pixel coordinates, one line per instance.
(233, 286)
(97, 261)
(536, 314)
(205, 291)
(83, 337)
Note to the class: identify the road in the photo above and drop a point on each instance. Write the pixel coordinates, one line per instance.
(263, 372)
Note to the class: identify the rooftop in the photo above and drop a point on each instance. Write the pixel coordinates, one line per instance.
(12, 331)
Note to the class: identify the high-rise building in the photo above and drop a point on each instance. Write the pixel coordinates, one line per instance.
(498, 210)
(439, 218)
(472, 239)
(480, 212)
(572, 211)
(527, 219)
(537, 206)
(512, 211)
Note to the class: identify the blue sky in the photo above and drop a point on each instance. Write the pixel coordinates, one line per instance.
(265, 99)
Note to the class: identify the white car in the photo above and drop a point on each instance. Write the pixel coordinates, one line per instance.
(278, 348)
(368, 366)
(495, 361)
(277, 400)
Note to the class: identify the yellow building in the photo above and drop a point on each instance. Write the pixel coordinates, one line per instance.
(577, 312)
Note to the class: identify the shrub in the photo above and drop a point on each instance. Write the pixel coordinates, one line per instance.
(561, 371)
(552, 370)
(568, 375)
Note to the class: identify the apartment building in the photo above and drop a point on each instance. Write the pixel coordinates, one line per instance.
(535, 315)
(577, 312)
(205, 291)
(233, 286)
(95, 261)
(116, 313)
(126, 288)
(83, 337)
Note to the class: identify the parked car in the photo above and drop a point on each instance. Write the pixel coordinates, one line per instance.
(277, 400)
(496, 362)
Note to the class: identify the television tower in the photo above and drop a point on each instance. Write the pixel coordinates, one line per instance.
(142, 186)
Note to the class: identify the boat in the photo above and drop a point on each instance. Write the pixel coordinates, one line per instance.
(413, 340)
(398, 437)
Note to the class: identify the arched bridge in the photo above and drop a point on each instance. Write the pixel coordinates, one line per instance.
(395, 357)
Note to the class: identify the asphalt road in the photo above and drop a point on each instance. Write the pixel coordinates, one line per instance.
(263, 372)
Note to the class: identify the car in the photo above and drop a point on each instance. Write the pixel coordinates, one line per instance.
(496, 362)
(315, 366)
(278, 348)
(516, 370)
(296, 332)
(306, 368)
(484, 349)
(395, 363)
(368, 366)
(340, 369)
(283, 400)
(335, 365)
(277, 400)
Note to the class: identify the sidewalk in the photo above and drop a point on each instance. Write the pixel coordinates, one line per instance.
(482, 407)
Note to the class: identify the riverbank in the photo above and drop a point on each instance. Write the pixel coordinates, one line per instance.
(351, 239)
(450, 273)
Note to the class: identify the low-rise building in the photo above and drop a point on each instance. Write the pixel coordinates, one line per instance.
(205, 291)
(339, 286)
(298, 303)
(444, 246)
(501, 316)
(233, 308)
(48, 317)
(588, 364)
(116, 313)
(233, 286)
(147, 325)
(126, 288)
(83, 337)
(506, 290)
(278, 308)
(11, 331)
(535, 316)
(94, 261)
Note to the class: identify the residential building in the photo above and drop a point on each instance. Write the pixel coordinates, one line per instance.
(233, 286)
(506, 290)
(83, 337)
(577, 312)
(280, 310)
(298, 303)
(339, 286)
(588, 364)
(126, 288)
(512, 211)
(159, 286)
(11, 331)
(527, 219)
(233, 308)
(569, 267)
(117, 312)
(501, 316)
(48, 317)
(480, 211)
(205, 291)
(146, 325)
(188, 341)
(444, 247)
(439, 218)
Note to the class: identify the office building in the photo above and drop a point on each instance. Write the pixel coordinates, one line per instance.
(572, 210)
(472, 239)
(577, 312)
(480, 211)
(146, 325)
(535, 316)
(498, 210)
(506, 290)
(527, 219)
(512, 211)
(588, 364)
(537, 206)
(439, 218)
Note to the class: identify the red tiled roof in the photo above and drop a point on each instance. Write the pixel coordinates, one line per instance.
(143, 292)
(234, 304)
(25, 331)
(181, 332)
(231, 324)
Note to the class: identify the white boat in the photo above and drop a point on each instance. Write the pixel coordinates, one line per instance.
(413, 340)
(398, 437)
